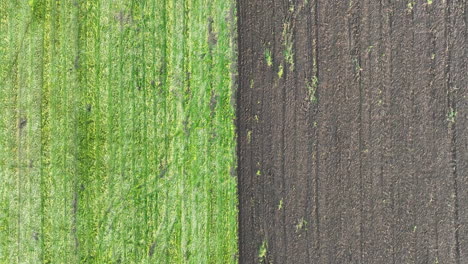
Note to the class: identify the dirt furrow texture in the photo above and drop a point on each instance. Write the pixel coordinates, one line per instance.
(352, 142)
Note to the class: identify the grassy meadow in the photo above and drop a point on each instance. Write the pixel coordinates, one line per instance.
(117, 141)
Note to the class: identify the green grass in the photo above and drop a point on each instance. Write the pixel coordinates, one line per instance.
(262, 252)
(116, 132)
(287, 36)
(268, 58)
(312, 86)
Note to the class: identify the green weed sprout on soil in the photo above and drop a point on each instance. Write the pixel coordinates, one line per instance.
(312, 85)
(262, 252)
(268, 57)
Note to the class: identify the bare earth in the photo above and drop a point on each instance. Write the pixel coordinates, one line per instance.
(353, 131)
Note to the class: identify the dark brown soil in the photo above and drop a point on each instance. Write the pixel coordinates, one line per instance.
(354, 149)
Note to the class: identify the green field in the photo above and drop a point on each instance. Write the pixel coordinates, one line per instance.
(117, 141)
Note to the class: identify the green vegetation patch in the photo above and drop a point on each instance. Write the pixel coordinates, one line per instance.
(116, 132)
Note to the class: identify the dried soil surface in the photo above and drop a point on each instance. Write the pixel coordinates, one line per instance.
(353, 131)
